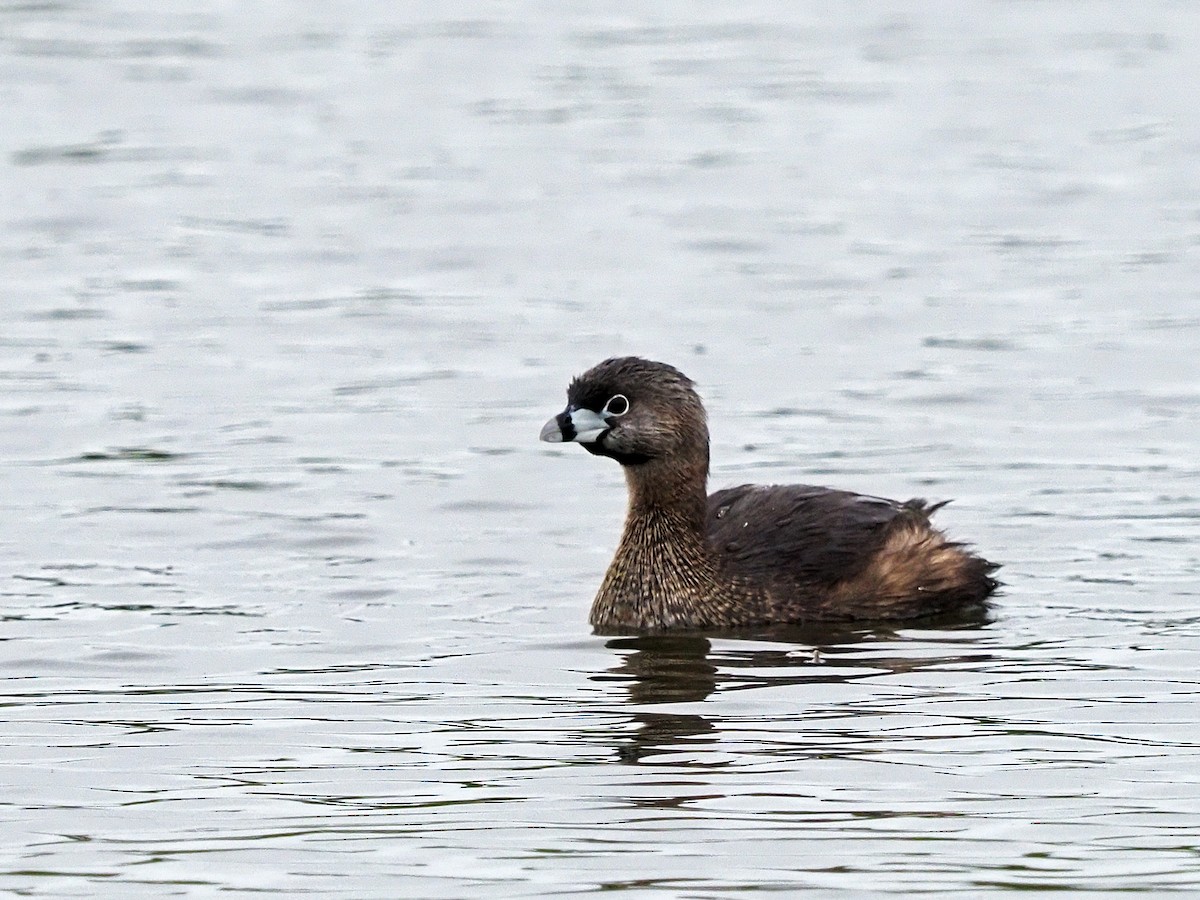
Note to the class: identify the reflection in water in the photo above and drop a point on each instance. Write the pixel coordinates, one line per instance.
(660, 733)
(686, 669)
(682, 668)
(664, 669)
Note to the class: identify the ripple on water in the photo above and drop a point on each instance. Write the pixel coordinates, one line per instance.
(293, 601)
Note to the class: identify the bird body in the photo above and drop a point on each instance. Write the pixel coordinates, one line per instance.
(749, 555)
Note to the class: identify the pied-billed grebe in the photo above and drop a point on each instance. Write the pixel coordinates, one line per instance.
(749, 555)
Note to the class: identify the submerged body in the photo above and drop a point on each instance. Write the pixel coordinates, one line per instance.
(750, 555)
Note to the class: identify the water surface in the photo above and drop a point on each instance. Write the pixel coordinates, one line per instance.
(295, 603)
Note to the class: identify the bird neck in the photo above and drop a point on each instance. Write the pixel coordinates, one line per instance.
(663, 568)
(677, 499)
(674, 488)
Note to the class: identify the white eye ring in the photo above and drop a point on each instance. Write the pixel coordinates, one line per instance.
(617, 405)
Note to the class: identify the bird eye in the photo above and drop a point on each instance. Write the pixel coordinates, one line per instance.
(617, 405)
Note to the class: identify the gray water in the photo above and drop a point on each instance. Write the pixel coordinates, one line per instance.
(293, 601)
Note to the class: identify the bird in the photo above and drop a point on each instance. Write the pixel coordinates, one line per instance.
(752, 555)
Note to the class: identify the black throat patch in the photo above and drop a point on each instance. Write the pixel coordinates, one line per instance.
(626, 459)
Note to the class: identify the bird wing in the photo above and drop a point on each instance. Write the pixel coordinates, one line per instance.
(808, 536)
